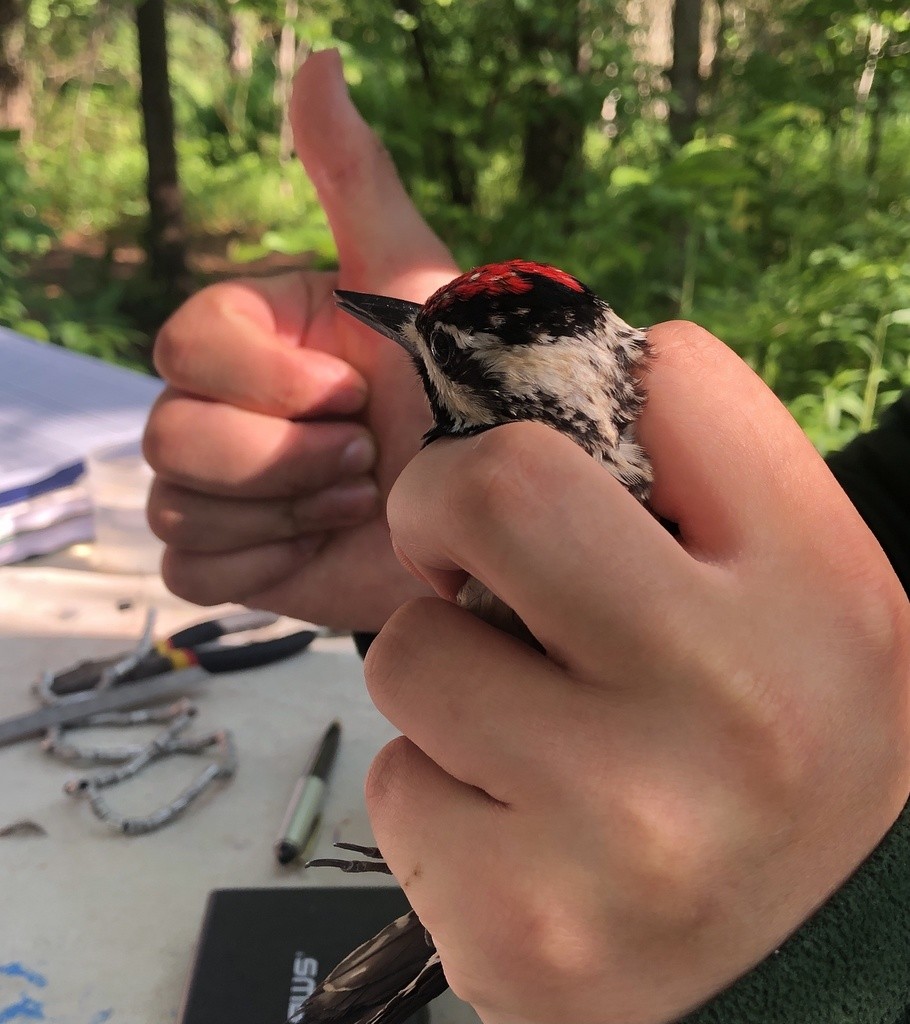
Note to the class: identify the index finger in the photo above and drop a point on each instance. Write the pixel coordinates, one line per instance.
(535, 519)
(241, 342)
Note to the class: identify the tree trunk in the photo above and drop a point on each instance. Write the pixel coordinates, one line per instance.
(241, 26)
(460, 179)
(15, 112)
(684, 76)
(285, 61)
(555, 126)
(552, 147)
(876, 130)
(864, 91)
(712, 82)
(166, 239)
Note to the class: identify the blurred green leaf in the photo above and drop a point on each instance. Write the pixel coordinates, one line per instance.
(783, 226)
(626, 177)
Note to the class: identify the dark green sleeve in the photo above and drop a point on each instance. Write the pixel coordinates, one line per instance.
(874, 470)
(850, 963)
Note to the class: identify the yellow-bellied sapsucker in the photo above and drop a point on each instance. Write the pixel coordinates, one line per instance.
(502, 343)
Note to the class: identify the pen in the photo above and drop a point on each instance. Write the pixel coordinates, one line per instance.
(302, 815)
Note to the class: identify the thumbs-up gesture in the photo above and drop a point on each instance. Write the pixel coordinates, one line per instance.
(285, 423)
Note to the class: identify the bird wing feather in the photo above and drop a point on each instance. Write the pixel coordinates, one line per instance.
(384, 981)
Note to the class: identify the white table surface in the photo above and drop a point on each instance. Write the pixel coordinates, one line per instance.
(98, 927)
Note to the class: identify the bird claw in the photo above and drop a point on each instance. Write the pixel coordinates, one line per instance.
(353, 867)
(368, 851)
(350, 867)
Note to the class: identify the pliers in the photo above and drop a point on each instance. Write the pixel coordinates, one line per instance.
(155, 672)
(200, 644)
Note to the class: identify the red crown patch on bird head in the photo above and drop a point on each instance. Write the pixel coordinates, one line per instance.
(513, 277)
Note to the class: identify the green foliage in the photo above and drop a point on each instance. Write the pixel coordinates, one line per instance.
(23, 235)
(531, 128)
(838, 319)
(90, 323)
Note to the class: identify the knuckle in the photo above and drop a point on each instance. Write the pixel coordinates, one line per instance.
(769, 732)
(390, 768)
(187, 577)
(688, 348)
(168, 352)
(395, 653)
(352, 166)
(467, 983)
(663, 864)
(288, 388)
(205, 579)
(789, 746)
(553, 942)
(496, 481)
(878, 622)
(182, 519)
(175, 353)
(540, 944)
(163, 514)
(478, 988)
(685, 336)
(161, 440)
(874, 623)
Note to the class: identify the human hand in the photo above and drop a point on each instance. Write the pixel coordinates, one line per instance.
(285, 423)
(718, 734)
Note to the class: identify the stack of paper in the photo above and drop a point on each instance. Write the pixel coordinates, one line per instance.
(55, 407)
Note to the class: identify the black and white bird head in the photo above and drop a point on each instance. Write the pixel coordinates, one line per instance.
(523, 341)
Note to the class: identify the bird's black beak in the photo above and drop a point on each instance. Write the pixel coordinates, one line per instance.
(385, 315)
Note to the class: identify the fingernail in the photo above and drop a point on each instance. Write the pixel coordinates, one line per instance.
(347, 503)
(358, 456)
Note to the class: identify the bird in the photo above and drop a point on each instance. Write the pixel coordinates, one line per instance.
(502, 343)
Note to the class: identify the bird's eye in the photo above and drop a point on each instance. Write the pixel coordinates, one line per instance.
(442, 348)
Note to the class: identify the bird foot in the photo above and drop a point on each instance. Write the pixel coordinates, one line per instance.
(375, 863)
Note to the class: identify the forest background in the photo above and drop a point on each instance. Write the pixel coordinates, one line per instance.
(743, 163)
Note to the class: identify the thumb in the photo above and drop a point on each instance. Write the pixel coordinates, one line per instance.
(384, 245)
